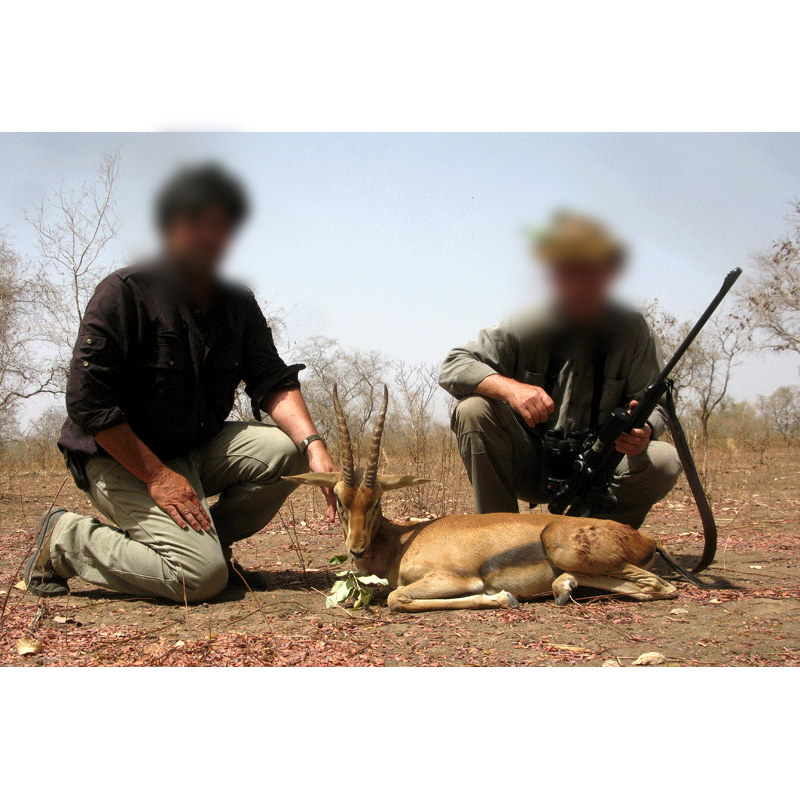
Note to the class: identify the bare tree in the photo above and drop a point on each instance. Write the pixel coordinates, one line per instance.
(710, 364)
(428, 445)
(670, 333)
(702, 377)
(770, 297)
(413, 420)
(360, 376)
(24, 370)
(73, 231)
(43, 435)
(781, 412)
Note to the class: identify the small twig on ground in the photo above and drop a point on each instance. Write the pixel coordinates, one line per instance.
(185, 601)
(602, 621)
(725, 555)
(258, 602)
(37, 618)
(293, 538)
(155, 655)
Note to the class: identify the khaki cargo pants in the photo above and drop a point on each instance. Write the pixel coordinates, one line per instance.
(503, 463)
(147, 554)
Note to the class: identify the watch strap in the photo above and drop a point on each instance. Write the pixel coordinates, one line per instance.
(315, 437)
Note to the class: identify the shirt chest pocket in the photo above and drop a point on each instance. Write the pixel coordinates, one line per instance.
(611, 397)
(533, 378)
(170, 366)
(223, 373)
(227, 362)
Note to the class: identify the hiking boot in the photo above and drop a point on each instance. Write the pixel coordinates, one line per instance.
(40, 575)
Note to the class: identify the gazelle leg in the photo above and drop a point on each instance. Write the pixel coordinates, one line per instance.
(630, 580)
(563, 587)
(445, 591)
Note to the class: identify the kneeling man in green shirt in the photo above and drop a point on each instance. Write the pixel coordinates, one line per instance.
(563, 366)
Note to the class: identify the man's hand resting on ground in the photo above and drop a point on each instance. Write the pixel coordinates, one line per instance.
(174, 494)
(319, 460)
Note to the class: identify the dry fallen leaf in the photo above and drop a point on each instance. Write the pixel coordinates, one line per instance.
(29, 647)
(60, 620)
(679, 612)
(646, 659)
(21, 585)
(610, 663)
(571, 647)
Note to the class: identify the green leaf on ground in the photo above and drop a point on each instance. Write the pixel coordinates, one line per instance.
(353, 586)
(372, 580)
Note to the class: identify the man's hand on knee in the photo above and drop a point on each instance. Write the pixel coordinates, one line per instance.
(170, 491)
(174, 494)
(532, 403)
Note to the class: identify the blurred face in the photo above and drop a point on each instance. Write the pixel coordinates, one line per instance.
(583, 291)
(198, 242)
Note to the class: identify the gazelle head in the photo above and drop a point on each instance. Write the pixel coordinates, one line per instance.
(358, 492)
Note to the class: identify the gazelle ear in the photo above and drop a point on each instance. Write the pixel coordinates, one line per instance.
(327, 480)
(388, 482)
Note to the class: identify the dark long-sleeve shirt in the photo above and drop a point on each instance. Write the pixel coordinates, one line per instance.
(144, 357)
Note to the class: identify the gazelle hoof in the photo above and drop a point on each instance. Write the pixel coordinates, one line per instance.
(563, 586)
(563, 599)
(507, 599)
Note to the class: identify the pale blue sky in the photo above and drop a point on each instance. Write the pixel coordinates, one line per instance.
(411, 243)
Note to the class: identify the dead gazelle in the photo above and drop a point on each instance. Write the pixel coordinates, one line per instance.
(479, 561)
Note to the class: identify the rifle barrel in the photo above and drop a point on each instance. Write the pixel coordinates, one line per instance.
(727, 284)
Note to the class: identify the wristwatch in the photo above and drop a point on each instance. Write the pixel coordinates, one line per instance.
(315, 437)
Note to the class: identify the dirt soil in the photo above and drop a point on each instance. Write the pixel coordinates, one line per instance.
(753, 621)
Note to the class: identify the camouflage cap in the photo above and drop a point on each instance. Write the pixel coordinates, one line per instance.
(574, 239)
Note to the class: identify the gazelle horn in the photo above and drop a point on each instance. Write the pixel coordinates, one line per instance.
(348, 468)
(371, 473)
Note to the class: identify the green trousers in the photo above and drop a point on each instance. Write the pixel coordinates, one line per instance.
(503, 462)
(145, 553)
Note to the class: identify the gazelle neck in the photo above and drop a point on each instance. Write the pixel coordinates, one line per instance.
(384, 549)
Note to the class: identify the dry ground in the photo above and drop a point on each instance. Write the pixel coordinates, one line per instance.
(753, 622)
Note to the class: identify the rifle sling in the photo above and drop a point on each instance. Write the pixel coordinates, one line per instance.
(695, 484)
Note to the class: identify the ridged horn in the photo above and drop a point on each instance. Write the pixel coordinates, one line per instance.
(371, 473)
(346, 446)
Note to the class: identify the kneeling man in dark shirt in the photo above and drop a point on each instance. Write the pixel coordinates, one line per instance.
(161, 350)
